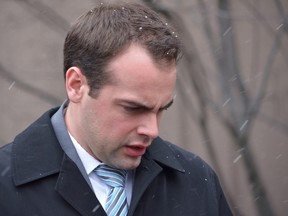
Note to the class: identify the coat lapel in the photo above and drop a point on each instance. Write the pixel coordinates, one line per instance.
(37, 154)
(145, 174)
(74, 189)
(158, 157)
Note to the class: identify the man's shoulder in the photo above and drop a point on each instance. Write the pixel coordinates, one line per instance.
(43, 121)
(36, 132)
(187, 157)
(5, 155)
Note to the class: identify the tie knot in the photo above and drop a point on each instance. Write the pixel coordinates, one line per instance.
(111, 176)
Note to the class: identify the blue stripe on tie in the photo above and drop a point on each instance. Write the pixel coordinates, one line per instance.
(116, 204)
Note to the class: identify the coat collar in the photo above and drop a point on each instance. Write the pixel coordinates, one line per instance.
(161, 152)
(38, 154)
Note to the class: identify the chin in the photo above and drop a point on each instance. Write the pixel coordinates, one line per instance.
(131, 164)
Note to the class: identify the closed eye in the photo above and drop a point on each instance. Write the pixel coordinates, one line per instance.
(134, 109)
(167, 106)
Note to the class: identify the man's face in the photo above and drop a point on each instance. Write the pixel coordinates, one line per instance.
(119, 124)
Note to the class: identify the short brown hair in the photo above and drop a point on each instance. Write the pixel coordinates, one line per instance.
(106, 30)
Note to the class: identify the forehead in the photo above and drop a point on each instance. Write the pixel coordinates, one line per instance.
(135, 74)
(136, 63)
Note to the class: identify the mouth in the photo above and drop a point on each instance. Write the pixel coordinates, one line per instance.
(135, 150)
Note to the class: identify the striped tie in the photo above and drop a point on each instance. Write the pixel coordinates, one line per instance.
(116, 204)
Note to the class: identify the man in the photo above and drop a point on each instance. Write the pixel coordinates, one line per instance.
(120, 71)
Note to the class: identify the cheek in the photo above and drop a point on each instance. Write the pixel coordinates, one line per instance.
(122, 127)
(111, 122)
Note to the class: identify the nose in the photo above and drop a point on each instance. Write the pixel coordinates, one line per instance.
(149, 126)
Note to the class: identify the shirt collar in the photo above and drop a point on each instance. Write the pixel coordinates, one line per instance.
(89, 162)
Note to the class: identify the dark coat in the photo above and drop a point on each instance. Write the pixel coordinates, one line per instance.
(38, 179)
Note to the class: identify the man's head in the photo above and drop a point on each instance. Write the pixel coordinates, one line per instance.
(120, 65)
(105, 31)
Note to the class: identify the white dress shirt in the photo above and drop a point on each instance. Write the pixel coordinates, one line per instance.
(101, 189)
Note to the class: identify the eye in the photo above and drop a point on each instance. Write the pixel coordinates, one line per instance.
(163, 109)
(131, 109)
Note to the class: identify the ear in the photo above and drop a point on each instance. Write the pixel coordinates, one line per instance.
(76, 84)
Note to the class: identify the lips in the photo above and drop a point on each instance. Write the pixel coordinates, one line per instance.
(136, 150)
